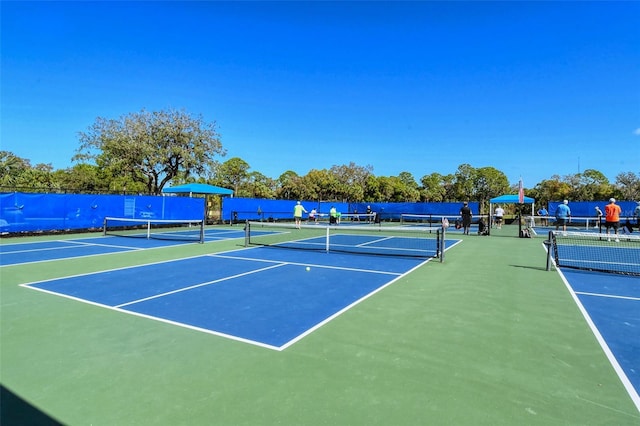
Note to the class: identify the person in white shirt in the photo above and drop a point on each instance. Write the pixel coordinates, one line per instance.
(499, 214)
(313, 216)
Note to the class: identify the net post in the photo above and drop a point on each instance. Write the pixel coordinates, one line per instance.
(247, 233)
(202, 231)
(327, 240)
(441, 242)
(104, 227)
(148, 229)
(547, 244)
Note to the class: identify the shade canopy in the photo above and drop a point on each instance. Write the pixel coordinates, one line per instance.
(510, 199)
(198, 188)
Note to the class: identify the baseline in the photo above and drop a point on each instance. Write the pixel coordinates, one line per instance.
(234, 296)
(609, 303)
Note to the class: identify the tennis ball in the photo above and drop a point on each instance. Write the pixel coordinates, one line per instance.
(308, 268)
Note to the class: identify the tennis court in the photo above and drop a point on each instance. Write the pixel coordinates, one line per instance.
(264, 295)
(239, 295)
(184, 334)
(42, 251)
(612, 304)
(603, 273)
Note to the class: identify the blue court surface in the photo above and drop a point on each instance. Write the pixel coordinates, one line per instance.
(622, 259)
(19, 253)
(264, 295)
(611, 302)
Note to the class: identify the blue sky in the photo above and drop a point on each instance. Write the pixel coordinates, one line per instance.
(533, 89)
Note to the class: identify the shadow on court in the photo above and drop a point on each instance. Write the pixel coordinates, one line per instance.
(14, 410)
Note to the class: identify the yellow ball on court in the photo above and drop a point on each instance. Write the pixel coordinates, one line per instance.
(308, 268)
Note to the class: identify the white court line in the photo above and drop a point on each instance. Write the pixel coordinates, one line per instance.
(104, 270)
(343, 268)
(223, 231)
(37, 250)
(275, 264)
(400, 249)
(215, 238)
(72, 245)
(376, 241)
(199, 285)
(612, 296)
(82, 256)
(351, 305)
(82, 243)
(633, 394)
(164, 320)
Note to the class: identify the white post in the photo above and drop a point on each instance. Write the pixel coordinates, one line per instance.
(327, 240)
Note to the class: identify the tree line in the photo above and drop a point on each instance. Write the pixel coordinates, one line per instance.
(142, 152)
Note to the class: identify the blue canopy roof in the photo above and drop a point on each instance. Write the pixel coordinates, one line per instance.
(198, 188)
(510, 199)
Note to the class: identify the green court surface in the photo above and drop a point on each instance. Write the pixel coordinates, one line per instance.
(489, 337)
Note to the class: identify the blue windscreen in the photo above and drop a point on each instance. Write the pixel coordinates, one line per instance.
(28, 212)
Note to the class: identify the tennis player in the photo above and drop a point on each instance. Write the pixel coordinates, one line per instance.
(563, 215)
(297, 213)
(499, 216)
(612, 217)
(599, 216)
(465, 212)
(543, 213)
(333, 215)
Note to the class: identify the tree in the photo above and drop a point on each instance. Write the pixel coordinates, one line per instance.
(394, 189)
(38, 178)
(84, 178)
(372, 191)
(319, 185)
(234, 173)
(489, 182)
(464, 182)
(553, 189)
(594, 186)
(628, 185)
(432, 187)
(286, 185)
(408, 180)
(16, 172)
(152, 147)
(260, 186)
(351, 180)
(410, 188)
(11, 167)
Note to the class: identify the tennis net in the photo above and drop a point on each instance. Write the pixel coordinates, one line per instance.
(575, 223)
(353, 218)
(425, 219)
(162, 229)
(596, 251)
(371, 240)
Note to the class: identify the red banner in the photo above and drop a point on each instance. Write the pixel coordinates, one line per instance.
(520, 192)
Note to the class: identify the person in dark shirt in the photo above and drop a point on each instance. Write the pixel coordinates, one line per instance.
(466, 214)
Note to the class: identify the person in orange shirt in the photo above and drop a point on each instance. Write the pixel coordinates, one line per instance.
(612, 217)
